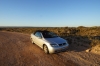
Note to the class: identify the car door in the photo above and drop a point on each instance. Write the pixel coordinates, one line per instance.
(39, 41)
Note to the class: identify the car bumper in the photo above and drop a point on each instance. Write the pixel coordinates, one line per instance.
(58, 49)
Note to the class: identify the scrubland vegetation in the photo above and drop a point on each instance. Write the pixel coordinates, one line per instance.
(80, 36)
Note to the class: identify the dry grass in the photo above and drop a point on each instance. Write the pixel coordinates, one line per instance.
(85, 35)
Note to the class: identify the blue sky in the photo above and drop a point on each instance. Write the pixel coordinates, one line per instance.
(50, 13)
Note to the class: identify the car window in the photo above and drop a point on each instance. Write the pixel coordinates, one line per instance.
(38, 34)
(49, 35)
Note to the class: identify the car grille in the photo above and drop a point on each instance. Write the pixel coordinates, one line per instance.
(62, 44)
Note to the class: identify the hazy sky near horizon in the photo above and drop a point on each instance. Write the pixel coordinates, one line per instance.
(50, 13)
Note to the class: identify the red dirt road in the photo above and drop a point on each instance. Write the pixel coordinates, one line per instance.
(16, 49)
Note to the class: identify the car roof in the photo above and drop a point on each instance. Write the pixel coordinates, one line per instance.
(42, 31)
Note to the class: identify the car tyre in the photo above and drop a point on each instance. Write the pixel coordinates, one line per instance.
(32, 41)
(45, 48)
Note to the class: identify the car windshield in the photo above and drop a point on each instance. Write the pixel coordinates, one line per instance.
(48, 34)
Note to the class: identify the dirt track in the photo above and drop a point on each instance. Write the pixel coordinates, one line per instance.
(16, 49)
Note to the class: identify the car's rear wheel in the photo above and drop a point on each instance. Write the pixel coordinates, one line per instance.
(45, 48)
(32, 41)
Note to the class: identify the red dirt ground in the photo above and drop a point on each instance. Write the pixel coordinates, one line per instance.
(16, 49)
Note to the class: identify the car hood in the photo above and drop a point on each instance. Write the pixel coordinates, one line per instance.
(56, 40)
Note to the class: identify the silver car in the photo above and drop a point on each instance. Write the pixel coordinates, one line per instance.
(49, 41)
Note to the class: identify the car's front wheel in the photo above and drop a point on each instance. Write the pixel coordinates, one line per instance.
(45, 48)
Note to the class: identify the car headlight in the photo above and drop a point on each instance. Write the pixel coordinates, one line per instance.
(54, 45)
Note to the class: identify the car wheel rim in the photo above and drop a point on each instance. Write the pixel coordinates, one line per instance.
(32, 41)
(45, 49)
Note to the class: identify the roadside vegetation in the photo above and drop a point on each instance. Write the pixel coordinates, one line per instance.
(87, 37)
